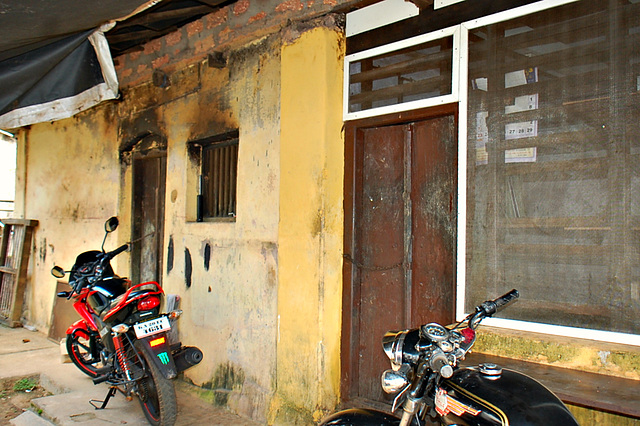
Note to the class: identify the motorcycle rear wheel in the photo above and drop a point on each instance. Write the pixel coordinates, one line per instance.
(157, 395)
(79, 350)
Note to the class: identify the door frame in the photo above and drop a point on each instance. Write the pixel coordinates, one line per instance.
(155, 152)
(350, 293)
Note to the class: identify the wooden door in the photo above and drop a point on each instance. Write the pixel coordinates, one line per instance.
(400, 238)
(149, 174)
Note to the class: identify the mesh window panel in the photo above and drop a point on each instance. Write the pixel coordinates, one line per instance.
(414, 73)
(553, 180)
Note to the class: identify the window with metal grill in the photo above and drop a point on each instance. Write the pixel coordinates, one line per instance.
(218, 176)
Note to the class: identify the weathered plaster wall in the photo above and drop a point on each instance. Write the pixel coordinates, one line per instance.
(263, 297)
(230, 296)
(69, 180)
(75, 179)
(311, 226)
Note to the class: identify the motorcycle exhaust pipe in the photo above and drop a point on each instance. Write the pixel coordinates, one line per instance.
(103, 375)
(100, 379)
(187, 357)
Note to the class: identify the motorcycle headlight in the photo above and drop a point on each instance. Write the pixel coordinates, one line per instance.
(392, 343)
(395, 380)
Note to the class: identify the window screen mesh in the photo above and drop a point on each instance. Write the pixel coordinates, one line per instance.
(553, 167)
(410, 74)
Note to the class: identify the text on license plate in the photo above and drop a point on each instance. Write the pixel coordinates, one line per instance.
(154, 326)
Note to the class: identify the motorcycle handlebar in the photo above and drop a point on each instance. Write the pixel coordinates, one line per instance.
(117, 251)
(490, 307)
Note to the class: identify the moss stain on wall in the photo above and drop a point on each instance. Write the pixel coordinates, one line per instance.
(226, 379)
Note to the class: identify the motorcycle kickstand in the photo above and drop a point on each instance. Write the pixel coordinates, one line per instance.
(110, 394)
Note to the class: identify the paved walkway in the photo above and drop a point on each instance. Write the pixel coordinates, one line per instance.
(24, 352)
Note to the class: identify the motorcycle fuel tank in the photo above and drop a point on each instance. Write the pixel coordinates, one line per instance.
(360, 417)
(489, 395)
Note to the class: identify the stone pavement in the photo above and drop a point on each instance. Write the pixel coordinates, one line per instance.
(24, 352)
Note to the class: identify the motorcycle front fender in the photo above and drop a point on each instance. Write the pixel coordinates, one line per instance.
(360, 417)
(78, 325)
(158, 350)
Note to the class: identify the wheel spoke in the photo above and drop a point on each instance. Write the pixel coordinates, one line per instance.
(85, 347)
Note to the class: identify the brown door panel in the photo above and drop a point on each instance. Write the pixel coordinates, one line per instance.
(400, 237)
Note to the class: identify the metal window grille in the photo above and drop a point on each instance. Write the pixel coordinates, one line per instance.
(218, 180)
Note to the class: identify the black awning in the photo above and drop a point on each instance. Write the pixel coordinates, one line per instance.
(56, 80)
(54, 58)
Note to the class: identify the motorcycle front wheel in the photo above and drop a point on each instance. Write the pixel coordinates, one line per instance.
(81, 353)
(157, 395)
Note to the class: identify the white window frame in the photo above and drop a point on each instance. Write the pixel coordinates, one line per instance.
(460, 95)
(558, 330)
(391, 47)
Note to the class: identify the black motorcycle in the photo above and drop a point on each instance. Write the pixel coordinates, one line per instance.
(122, 336)
(432, 388)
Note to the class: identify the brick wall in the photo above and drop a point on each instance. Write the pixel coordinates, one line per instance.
(229, 28)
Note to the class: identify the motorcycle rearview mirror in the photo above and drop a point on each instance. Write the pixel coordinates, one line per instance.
(57, 272)
(111, 224)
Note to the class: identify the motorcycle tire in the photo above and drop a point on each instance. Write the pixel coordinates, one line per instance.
(79, 350)
(157, 395)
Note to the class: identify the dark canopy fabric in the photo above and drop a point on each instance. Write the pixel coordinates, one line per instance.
(54, 81)
(54, 58)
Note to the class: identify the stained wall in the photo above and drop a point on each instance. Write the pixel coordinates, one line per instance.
(262, 292)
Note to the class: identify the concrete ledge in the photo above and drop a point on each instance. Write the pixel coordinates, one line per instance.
(29, 418)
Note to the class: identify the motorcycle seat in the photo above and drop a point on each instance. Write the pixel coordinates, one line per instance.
(130, 296)
(105, 291)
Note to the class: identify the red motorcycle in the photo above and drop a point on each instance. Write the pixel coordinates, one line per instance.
(122, 337)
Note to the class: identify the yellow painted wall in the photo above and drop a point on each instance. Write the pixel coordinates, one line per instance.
(68, 179)
(267, 311)
(231, 307)
(310, 227)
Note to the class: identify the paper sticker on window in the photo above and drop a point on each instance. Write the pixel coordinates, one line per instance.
(480, 83)
(523, 129)
(521, 77)
(482, 156)
(522, 103)
(482, 138)
(520, 155)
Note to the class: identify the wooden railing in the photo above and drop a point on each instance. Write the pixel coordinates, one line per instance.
(15, 248)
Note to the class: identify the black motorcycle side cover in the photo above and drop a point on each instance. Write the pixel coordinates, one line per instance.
(360, 417)
(511, 398)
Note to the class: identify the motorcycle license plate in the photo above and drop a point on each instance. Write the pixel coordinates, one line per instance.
(149, 328)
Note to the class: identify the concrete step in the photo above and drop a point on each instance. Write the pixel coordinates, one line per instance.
(29, 418)
(23, 353)
(73, 408)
